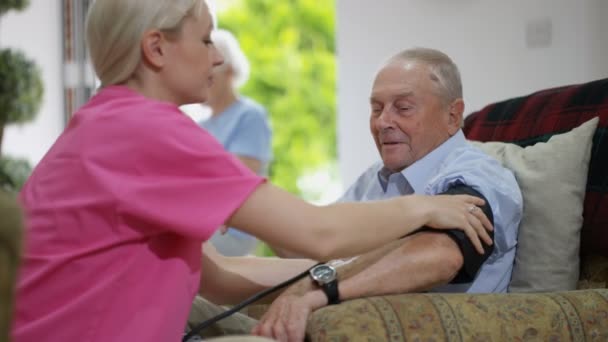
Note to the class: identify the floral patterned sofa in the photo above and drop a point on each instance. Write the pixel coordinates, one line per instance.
(574, 315)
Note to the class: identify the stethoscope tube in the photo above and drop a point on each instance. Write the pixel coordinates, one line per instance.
(243, 304)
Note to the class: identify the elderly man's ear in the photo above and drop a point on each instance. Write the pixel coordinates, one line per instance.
(455, 119)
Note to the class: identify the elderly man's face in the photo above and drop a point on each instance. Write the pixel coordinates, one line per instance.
(408, 117)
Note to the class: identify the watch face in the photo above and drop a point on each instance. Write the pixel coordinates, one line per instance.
(323, 273)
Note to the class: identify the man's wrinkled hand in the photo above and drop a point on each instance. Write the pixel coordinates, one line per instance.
(286, 318)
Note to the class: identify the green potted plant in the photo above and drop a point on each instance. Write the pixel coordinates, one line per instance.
(6, 5)
(21, 91)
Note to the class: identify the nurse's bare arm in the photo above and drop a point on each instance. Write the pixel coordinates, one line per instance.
(253, 164)
(343, 229)
(230, 280)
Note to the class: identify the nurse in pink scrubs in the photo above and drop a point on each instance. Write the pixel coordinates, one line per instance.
(120, 205)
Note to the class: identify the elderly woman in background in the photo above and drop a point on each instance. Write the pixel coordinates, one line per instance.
(117, 210)
(240, 124)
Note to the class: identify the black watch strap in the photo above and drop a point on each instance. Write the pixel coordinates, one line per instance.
(331, 291)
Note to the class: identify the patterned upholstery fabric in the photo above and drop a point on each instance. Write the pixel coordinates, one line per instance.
(536, 117)
(566, 316)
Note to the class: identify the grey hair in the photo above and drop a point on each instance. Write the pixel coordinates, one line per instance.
(114, 29)
(443, 70)
(234, 57)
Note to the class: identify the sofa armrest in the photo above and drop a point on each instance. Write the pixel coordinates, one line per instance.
(571, 315)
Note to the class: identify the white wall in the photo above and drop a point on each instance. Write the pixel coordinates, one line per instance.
(601, 34)
(37, 32)
(486, 38)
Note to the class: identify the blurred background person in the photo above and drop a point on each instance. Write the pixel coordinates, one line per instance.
(241, 125)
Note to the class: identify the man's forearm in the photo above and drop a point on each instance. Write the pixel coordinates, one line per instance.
(421, 262)
(229, 280)
(297, 302)
(418, 262)
(347, 268)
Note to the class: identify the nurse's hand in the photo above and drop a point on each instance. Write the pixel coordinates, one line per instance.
(458, 212)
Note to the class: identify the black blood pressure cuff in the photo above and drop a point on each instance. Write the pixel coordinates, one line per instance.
(472, 259)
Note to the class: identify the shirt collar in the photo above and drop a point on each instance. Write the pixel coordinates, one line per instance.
(419, 173)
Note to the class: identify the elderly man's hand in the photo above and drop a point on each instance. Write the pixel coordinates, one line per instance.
(286, 318)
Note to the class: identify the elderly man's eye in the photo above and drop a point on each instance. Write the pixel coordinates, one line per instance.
(404, 109)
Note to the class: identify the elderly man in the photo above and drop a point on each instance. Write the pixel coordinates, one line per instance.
(416, 118)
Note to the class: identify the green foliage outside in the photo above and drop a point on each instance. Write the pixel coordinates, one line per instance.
(6, 5)
(20, 87)
(21, 90)
(13, 173)
(291, 47)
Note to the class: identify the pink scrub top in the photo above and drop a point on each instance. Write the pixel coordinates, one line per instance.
(116, 213)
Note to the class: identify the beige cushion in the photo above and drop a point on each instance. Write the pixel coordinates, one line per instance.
(552, 177)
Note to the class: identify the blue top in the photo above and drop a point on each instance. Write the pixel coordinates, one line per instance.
(243, 129)
(457, 162)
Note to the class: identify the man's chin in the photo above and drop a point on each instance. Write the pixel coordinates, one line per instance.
(396, 163)
(395, 166)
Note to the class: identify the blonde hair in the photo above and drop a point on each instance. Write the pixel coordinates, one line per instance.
(114, 29)
(444, 71)
(233, 56)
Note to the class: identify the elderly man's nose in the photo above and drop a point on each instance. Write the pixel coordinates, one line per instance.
(385, 119)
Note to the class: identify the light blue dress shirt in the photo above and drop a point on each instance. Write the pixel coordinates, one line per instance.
(457, 162)
(243, 129)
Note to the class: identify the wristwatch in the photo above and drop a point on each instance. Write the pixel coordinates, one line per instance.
(326, 277)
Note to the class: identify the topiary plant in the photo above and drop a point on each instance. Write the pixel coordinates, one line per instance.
(20, 98)
(6, 5)
(13, 173)
(20, 89)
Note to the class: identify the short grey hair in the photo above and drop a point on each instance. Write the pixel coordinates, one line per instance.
(443, 70)
(114, 29)
(229, 47)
